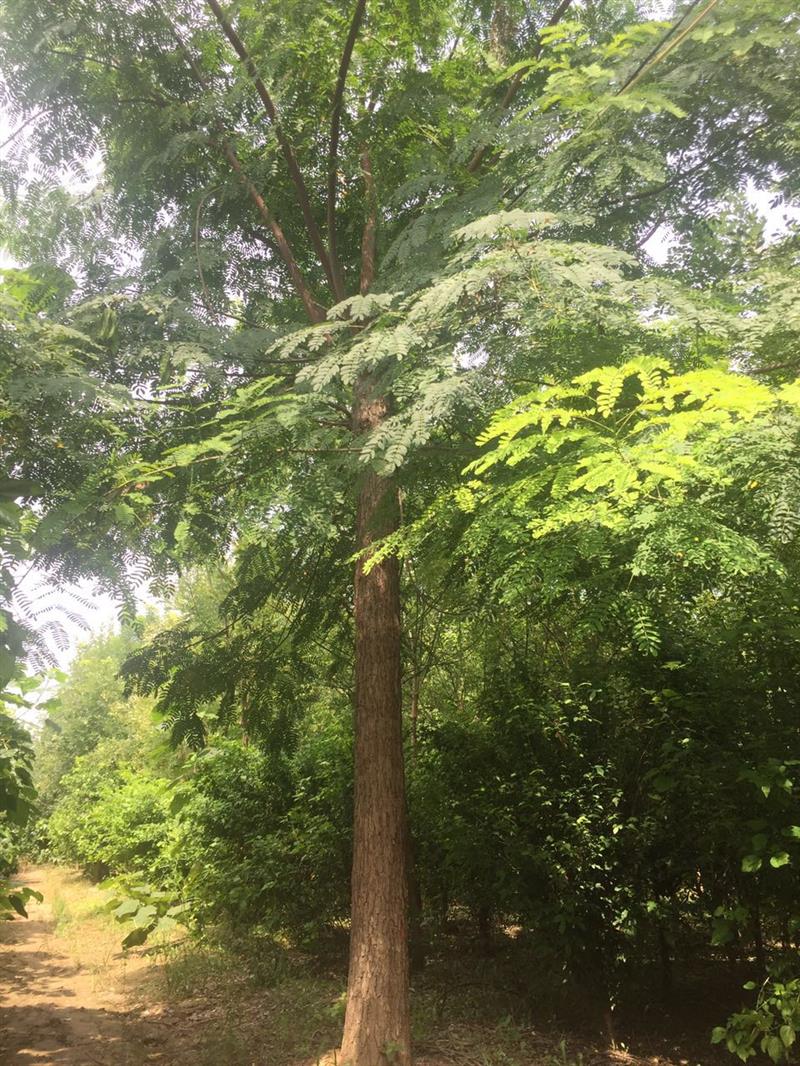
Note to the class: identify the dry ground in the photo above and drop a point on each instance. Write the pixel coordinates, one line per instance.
(63, 990)
(70, 997)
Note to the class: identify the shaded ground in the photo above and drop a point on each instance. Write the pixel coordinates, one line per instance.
(70, 997)
(63, 1003)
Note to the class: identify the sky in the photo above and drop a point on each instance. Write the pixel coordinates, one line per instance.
(96, 611)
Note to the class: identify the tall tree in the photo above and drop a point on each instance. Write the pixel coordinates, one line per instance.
(327, 237)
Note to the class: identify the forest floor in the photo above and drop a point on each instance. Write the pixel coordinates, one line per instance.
(70, 997)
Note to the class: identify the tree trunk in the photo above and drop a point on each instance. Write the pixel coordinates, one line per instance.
(417, 951)
(665, 959)
(758, 938)
(377, 1027)
(485, 928)
(415, 685)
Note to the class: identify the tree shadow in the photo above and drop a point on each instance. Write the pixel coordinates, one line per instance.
(25, 968)
(62, 1035)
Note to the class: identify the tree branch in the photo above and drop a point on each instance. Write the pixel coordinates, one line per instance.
(650, 231)
(792, 364)
(22, 126)
(315, 312)
(370, 226)
(516, 81)
(206, 295)
(669, 42)
(673, 183)
(109, 64)
(288, 152)
(333, 152)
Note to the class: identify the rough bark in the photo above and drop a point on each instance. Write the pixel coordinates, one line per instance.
(377, 1027)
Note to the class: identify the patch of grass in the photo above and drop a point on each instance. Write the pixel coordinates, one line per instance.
(278, 1015)
(190, 966)
(501, 1044)
(80, 921)
(241, 997)
(305, 1018)
(73, 902)
(562, 1057)
(279, 1008)
(188, 969)
(62, 915)
(275, 1010)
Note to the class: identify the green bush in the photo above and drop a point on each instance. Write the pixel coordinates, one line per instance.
(265, 839)
(772, 1024)
(110, 819)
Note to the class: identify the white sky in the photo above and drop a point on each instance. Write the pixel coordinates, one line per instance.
(777, 222)
(60, 604)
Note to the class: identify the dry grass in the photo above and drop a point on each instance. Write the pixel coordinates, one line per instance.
(81, 928)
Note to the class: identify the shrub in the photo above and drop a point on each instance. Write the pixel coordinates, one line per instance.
(110, 819)
(263, 838)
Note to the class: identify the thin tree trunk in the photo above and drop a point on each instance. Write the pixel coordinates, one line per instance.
(758, 938)
(485, 928)
(377, 1028)
(417, 950)
(414, 715)
(665, 959)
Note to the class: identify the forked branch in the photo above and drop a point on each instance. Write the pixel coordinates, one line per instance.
(313, 309)
(303, 199)
(514, 84)
(315, 312)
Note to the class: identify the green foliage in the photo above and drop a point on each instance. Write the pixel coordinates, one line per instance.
(17, 796)
(623, 436)
(13, 899)
(109, 819)
(260, 840)
(88, 710)
(770, 1026)
(601, 632)
(16, 758)
(637, 485)
(149, 910)
(242, 835)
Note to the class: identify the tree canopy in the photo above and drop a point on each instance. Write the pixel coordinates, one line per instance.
(352, 312)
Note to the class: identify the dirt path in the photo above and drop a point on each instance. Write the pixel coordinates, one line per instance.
(65, 990)
(70, 997)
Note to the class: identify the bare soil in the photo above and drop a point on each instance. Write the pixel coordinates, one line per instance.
(64, 994)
